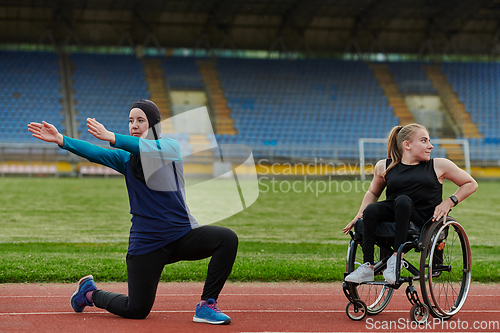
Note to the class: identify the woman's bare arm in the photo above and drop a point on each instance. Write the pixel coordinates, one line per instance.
(374, 191)
(446, 169)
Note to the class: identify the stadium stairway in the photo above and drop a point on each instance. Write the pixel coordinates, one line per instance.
(455, 153)
(391, 90)
(156, 86)
(224, 123)
(201, 145)
(451, 102)
(456, 109)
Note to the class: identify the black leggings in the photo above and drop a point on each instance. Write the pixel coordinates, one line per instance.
(144, 271)
(399, 210)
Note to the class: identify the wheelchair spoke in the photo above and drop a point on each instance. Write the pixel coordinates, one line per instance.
(376, 295)
(449, 270)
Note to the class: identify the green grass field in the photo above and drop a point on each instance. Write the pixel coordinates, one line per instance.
(57, 230)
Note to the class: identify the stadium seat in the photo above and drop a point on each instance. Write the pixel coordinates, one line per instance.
(105, 88)
(289, 102)
(29, 86)
(476, 85)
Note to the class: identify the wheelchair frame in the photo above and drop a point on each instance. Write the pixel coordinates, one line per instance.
(438, 266)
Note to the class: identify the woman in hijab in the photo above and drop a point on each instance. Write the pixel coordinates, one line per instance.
(163, 231)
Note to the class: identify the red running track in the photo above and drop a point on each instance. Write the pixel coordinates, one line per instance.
(253, 307)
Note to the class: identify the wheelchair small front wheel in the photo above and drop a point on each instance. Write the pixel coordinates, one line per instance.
(419, 313)
(356, 310)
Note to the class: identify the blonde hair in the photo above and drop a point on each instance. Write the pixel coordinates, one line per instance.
(397, 135)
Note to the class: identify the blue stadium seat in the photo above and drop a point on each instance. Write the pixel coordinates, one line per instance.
(105, 88)
(182, 73)
(29, 91)
(291, 102)
(411, 78)
(477, 87)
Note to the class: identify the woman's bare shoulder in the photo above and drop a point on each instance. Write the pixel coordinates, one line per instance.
(381, 163)
(380, 167)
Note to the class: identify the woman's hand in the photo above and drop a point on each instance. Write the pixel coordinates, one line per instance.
(350, 225)
(442, 210)
(446, 169)
(99, 131)
(46, 132)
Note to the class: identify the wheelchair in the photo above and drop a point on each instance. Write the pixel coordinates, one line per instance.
(444, 270)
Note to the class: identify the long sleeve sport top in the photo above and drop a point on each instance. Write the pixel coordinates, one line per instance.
(159, 217)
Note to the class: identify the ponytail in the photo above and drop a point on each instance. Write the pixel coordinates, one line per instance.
(397, 135)
(393, 151)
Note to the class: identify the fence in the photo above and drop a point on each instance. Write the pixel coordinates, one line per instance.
(43, 158)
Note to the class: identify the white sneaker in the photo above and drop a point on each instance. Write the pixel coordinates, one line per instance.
(390, 271)
(364, 273)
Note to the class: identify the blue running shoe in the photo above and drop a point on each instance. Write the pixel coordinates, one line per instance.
(210, 314)
(78, 299)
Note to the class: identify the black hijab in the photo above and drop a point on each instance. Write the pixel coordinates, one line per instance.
(153, 114)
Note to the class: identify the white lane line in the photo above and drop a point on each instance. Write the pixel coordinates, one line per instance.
(228, 311)
(197, 294)
(185, 295)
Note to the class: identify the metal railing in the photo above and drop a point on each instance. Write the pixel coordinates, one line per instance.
(463, 142)
(51, 154)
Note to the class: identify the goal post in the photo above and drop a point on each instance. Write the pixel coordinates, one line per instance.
(361, 143)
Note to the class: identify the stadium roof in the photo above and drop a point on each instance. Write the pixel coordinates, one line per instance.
(309, 26)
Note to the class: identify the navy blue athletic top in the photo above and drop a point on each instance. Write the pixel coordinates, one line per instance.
(158, 217)
(419, 182)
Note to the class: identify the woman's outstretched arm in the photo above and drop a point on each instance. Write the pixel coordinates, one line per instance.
(115, 159)
(165, 149)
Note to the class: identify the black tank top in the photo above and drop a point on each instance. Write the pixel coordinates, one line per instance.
(419, 182)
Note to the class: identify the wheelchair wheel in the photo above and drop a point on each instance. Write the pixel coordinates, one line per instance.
(419, 313)
(375, 296)
(446, 265)
(356, 311)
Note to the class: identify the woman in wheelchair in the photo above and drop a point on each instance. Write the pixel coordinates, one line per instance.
(414, 184)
